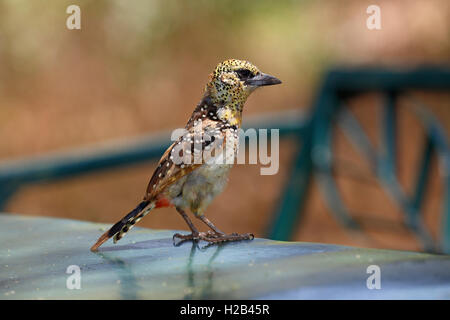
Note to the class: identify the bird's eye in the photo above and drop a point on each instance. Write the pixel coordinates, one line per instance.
(244, 74)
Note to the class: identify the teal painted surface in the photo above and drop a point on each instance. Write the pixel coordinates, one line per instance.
(35, 254)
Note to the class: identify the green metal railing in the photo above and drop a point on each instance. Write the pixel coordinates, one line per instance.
(314, 157)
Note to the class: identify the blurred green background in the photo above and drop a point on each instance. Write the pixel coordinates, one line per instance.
(140, 66)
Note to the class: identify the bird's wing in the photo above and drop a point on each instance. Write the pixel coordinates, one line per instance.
(205, 140)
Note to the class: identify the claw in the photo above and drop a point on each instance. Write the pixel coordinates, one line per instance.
(212, 237)
(184, 237)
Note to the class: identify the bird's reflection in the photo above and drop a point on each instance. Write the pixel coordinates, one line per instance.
(201, 289)
(199, 277)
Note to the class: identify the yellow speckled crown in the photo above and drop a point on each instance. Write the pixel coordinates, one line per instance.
(226, 88)
(231, 65)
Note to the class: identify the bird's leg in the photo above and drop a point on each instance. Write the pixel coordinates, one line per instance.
(220, 236)
(210, 224)
(194, 230)
(188, 221)
(195, 234)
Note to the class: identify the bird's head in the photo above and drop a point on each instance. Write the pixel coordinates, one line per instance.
(234, 80)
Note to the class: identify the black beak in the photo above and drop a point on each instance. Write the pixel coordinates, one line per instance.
(263, 79)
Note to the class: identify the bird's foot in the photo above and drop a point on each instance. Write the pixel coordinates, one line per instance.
(233, 237)
(194, 236)
(213, 237)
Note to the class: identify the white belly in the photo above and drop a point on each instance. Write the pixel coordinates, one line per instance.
(199, 188)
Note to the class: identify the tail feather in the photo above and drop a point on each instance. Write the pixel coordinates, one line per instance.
(119, 229)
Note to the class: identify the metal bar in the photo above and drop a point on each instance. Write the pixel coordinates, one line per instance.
(356, 135)
(7, 190)
(294, 195)
(327, 107)
(322, 156)
(377, 79)
(413, 219)
(58, 165)
(423, 175)
(387, 174)
(438, 136)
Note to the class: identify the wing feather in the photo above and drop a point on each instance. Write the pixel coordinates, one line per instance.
(203, 141)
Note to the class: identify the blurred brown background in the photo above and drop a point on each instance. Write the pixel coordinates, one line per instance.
(140, 67)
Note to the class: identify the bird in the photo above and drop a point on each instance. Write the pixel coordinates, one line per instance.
(195, 168)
